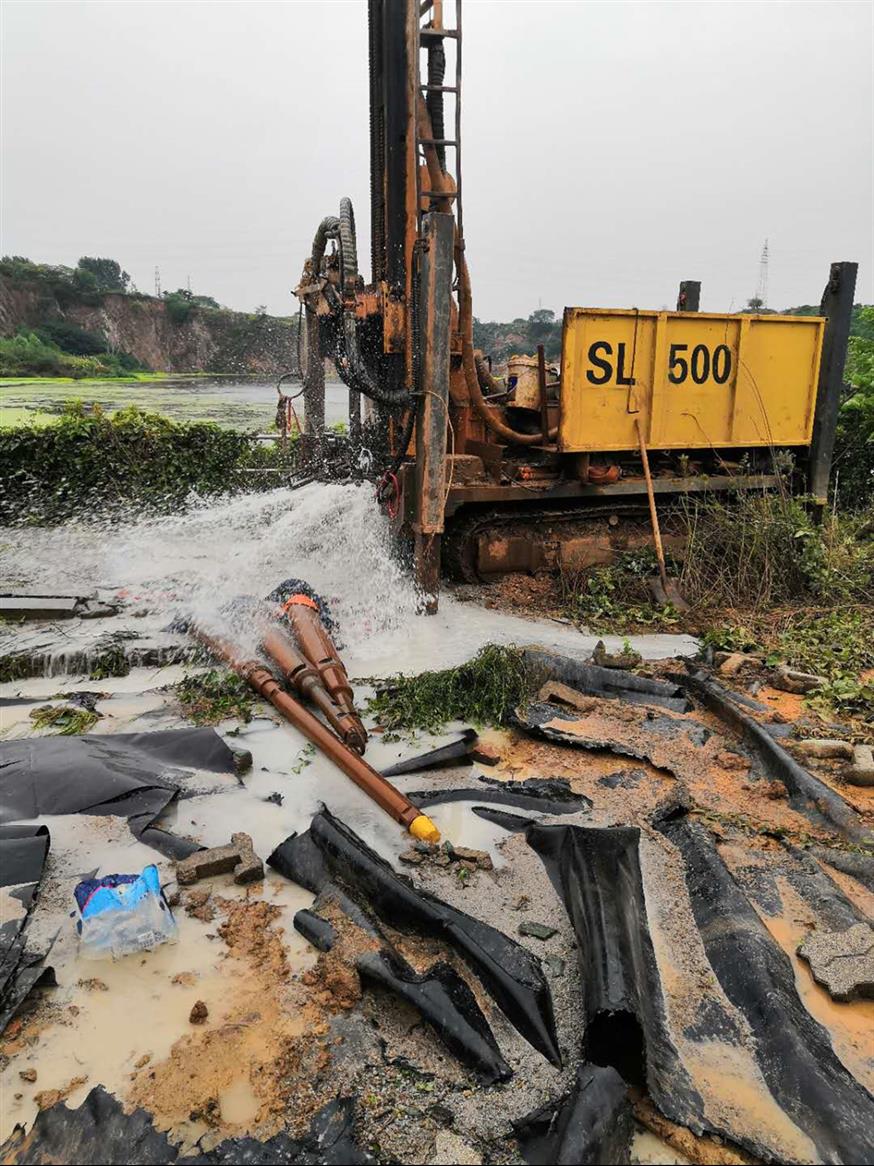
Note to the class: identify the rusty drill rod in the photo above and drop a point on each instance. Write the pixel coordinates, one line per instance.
(303, 676)
(385, 795)
(318, 648)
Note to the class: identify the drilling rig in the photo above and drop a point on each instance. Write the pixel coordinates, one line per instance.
(554, 467)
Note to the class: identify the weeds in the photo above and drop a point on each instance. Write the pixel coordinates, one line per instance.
(214, 696)
(480, 692)
(615, 597)
(763, 550)
(66, 719)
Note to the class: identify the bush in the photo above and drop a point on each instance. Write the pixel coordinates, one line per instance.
(91, 462)
(32, 354)
(764, 550)
(71, 338)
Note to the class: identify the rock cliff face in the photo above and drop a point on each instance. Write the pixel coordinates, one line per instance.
(209, 340)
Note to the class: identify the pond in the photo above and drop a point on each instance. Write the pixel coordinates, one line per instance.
(228, 401)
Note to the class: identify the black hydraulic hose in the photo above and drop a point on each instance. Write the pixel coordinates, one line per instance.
(434, 98)
(350, 366)
(327, 229)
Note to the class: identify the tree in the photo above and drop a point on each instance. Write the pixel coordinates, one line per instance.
(107, 273)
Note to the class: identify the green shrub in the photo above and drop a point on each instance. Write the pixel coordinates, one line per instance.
(92, 462)
(480, 692)
(71, 338)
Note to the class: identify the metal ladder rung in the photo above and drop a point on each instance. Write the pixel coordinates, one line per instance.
(439, 88)
(437, 142)
(437, 33)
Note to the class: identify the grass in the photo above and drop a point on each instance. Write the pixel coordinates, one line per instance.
(214, 696)
(479, 692)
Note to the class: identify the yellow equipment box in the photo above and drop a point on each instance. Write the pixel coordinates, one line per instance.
(695, 379)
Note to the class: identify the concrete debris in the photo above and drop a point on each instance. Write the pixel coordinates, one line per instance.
(199, 1013)
(789, 680)
(445, 855)
(239, 857)
(625, 659)
(485, 754)
(554, 692)
(730, 663)
(827, 749)
(28, 1075)
(842, 961)
(537, 930)
(861, 771)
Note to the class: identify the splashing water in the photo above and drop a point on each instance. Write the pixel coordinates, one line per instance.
(196, 562)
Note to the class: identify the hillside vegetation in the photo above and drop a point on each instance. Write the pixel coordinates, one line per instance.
(88, 321)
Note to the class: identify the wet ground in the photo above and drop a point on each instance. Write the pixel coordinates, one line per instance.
(285, 1027)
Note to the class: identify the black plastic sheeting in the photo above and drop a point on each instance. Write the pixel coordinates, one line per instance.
(593, 1123)
(807, 793)
(330, 853)
(455, 753)
(794, 1051)
(545, 796)
(608, 683)
(129, 775)
(23, 852)
(544, 720)
(100, 1131)
(447, 1003)
(596, 872)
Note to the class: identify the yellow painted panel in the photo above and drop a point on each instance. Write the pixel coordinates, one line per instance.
(695, 379)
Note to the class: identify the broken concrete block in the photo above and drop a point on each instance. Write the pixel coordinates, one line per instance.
(239, 857)
(814, 747)
(730, 663)
(842, 961)
(789, 680)
(537, 930)
(485, 754)
(554, 692)
(198, 1013)
(861, 770)
(605, 659)
(478, 858)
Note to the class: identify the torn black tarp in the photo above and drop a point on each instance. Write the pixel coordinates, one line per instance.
(455, 753)
(564, 726)
(100, 1131)
(793, 1050)
(597, 875)
(592, 1123)
(607, 683)
(442, 997)
(329, 852)
(807, 793)
(542, 795)
(23, 852)
(129, 775)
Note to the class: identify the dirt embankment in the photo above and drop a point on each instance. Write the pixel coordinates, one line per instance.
(209, 340)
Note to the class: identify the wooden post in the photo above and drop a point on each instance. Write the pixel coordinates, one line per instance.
(689, 297)
(837, 307)
(435, 299)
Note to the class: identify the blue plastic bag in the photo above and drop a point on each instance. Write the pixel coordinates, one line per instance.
(120, 914)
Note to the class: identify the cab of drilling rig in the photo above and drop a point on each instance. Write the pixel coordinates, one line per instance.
(549, 467)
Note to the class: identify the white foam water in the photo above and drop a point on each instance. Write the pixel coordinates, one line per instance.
(199, 560)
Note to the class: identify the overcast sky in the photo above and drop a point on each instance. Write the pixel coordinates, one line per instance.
(610, 149)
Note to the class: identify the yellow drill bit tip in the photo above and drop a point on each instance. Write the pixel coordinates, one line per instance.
(424, 829)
